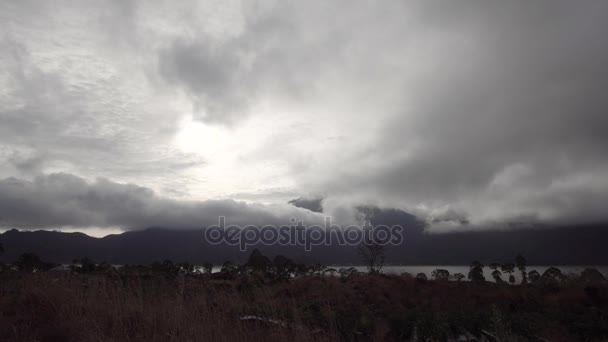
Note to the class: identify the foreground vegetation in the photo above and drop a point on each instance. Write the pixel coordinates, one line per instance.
(278, 300)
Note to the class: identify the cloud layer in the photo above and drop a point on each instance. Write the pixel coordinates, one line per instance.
(64, 200)
(471, 115)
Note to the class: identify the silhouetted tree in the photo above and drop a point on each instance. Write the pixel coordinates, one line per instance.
(282, 267)
(300, 270)
(440, 274)
(105, 267)
(167, 267)
(552, 275)
(421, 277)
(207, 268)
(476, 272)
(186, 268)
(332, 271)
(373, 255)
(229, 269)
(257, 261)
(3, 267)
(30, 262)
(533, 276)
(521, 262)
(496, 274)
(315, 269)
(457, 276)
(592, 276)
(86, 265)
(509, 268)
(347, 272)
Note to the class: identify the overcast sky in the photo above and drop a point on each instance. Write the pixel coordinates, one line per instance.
(127, 114)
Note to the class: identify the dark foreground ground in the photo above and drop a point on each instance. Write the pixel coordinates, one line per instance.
(152, 306)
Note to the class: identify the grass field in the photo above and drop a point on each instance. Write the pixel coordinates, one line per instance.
(155, 306)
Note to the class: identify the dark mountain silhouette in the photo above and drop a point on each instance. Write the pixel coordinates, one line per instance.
(558, 246)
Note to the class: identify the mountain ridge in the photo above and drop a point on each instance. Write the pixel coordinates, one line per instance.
(564, 246)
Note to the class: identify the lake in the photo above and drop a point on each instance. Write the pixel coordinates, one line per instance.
(487, 272)
(413, 270)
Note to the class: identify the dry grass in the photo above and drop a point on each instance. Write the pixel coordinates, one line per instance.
(41, 307)
(63, 307)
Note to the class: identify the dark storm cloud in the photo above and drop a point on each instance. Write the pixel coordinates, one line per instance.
(64, 200)
(505, 117)
(471, 114)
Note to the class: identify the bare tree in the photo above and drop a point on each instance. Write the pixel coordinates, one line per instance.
(373, 255)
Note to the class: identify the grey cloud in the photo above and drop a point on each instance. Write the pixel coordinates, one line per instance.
(286, 50)
(476, 90)
(65, 200)
(449, 215)
(497, 85)
(26, 164)
(212, 75)
(68, 102)
(491, 113)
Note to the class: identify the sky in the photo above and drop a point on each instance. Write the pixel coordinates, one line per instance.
(119, 115)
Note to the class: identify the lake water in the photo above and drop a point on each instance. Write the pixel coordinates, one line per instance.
(413, 270)
(487, 272)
